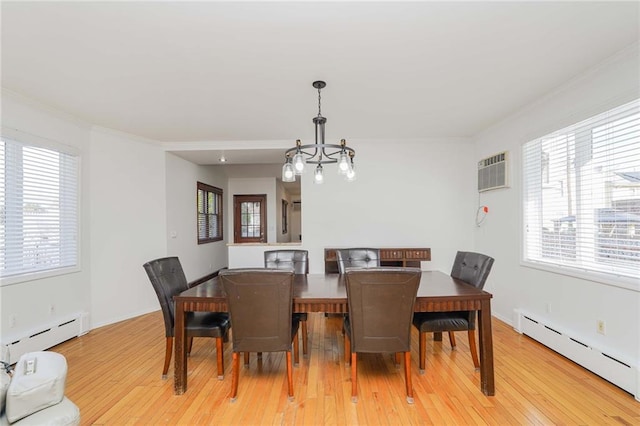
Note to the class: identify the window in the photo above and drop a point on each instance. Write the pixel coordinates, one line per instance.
(209, 213)
(581, 195)
(38, 210)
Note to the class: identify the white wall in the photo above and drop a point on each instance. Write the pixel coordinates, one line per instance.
(182, 176)
(128, 224)
(576, 304)
(29, 302)
(416, 193)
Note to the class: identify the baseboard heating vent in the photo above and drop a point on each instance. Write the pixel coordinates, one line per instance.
(616, 371)
(493, 172)
(46, 336)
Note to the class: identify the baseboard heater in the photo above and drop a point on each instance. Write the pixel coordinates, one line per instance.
(46, 336)
(621, 373)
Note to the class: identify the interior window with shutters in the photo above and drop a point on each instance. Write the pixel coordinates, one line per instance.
(581, 196)
(38, 211)
(209, 213)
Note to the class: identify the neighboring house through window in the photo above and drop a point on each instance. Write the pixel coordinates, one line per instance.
(581, 196)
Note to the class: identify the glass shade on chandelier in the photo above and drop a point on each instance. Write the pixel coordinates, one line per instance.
(318, 153)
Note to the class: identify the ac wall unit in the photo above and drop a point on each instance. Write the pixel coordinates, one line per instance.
(492, 172)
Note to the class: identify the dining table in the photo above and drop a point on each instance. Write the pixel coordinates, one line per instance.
(438, 292)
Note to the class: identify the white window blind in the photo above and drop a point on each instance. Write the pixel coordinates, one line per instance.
(39, 209)
(581, 195)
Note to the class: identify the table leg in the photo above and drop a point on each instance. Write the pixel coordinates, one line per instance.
(180, 367)
(487, 383)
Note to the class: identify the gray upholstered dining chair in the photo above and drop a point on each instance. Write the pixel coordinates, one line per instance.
(298, 261)
(260, 302)
(473, 269)
(357, 258)
(381, 302)
(168, 279)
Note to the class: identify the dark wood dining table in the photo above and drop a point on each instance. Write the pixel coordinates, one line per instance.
(438, 292)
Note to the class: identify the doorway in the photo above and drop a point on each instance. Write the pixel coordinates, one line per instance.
(249, 218)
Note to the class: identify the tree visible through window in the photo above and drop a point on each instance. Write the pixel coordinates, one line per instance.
(581, 195)
(209, 213)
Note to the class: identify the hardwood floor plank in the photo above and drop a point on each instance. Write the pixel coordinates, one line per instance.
(119, 384)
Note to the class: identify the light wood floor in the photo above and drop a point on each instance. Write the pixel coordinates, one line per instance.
(114, 377)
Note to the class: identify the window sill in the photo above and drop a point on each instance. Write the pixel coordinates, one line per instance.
(623, 282)
(17, 279)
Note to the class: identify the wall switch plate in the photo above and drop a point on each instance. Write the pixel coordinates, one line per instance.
(601, 327)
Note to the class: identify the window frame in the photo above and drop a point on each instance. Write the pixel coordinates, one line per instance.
(218, 193)
(617, 278)
(71, 223)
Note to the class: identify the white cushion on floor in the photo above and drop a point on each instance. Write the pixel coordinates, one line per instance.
(28, 394)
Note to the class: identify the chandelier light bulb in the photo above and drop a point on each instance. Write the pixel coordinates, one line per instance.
(318, 176)
(288, 175)
(298, 163)
(351, 173)
(343, 163)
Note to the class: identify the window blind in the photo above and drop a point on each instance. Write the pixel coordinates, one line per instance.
(209, 206)
(581, 195)
(39, 209)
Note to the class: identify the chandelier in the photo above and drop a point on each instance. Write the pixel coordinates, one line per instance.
(318, 153)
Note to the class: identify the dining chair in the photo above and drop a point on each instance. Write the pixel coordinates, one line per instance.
(298, 260)
(168, 279)
(357, 258)
(260, 302)
(473, 269)
(381, 302)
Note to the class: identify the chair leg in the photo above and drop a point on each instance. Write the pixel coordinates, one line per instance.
(347, 349)
(452, 340)
(296, 350)
(167, 356)
(290, 375)
(304, 337)
(397, 359)
(246, 359)
(407, 376)
(422, 352)
(474, 349)
(189, 346)
(234, 376)
(220, 357)
(354, 383)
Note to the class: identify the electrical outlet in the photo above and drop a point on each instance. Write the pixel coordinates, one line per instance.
(12, 320)
(52, 309)
(548, 307)
(601, 327)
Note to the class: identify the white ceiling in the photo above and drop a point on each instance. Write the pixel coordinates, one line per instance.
(223, 72)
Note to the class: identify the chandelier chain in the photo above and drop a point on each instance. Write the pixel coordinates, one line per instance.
(319, 104)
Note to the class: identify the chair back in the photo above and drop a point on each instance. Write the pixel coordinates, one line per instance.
(472, 268)
(357, 258)
(288, 259)
(168, 279)
(381, 303)
(260, 303)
